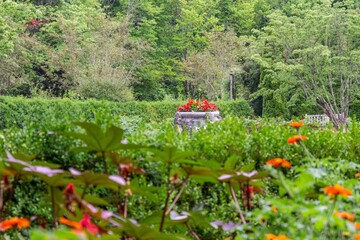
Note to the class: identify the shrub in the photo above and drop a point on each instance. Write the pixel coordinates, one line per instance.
(17, 110)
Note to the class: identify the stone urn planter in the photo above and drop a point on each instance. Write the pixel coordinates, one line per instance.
(194, 120)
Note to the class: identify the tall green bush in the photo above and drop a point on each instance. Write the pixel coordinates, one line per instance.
(17, 110)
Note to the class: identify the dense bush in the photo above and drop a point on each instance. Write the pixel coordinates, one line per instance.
(327, 157)
(17, 111)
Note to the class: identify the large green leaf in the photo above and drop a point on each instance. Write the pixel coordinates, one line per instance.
(172, 155)
(99, 141)
(145, 233)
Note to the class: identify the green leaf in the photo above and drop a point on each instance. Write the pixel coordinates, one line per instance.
(98, 179)
(231, 163)
(172, 155)
(96, 200)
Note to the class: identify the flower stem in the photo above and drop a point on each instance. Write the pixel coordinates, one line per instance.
(183, 184)
(84, 192)
(105, 163)
(168, 193)
(53, 206)
(237, 204)
(192, 231)
(330, 213)
(283, 183)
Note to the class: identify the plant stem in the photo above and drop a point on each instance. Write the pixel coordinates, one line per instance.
(183, 184)
(164, 211)
(331, 211)
(168, 193)
(104, 160)
(282, 181)
(237, 204)
(125, 206)
(84, 192)
(248, 200)
(53, 206)
(192, 231)
(303, 145)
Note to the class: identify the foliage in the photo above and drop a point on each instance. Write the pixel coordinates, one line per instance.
(313, 50)
(154, 50)
(17, 111)
(192, 177)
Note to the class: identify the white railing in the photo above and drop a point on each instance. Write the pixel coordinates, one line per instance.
(320, 118)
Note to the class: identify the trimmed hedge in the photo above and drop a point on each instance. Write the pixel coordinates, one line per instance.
(18, 110)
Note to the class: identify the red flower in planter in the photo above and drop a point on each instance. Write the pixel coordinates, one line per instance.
(197, 106)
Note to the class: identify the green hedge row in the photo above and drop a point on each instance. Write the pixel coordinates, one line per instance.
(17, 110)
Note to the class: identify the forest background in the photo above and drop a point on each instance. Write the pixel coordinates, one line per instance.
(287, 57)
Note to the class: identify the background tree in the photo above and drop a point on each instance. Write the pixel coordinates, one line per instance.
(316, 51)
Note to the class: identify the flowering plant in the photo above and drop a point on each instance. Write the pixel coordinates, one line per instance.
(197, 106)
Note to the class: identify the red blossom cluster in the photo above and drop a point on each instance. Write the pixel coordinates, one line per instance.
(197, 106)
(33, 23)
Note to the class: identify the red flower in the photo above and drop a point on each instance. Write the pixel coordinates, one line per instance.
(70, 189)
(197, 105)
(86, 223)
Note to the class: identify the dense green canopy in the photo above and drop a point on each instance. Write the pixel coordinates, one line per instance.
(288, 57)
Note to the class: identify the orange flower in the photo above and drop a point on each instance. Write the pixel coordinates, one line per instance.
(357, 237)
(84, 223)
(270, 236)
(357, 175)
(296, 124)
(296, 138)
(279, 162)
(274, 210)
(345, 215)
(74, 225)
(15, 221)
(337, 190)
(357, 226)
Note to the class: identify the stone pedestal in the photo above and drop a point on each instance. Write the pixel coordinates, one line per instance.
(195, 120)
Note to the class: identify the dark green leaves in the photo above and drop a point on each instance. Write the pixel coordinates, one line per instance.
(97, 140)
